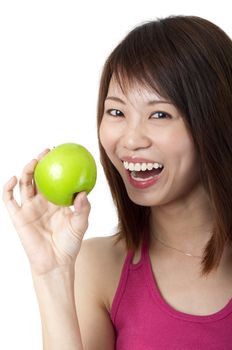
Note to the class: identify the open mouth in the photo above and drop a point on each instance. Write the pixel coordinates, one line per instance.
(144, 173)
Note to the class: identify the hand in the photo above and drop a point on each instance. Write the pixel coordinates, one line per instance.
(51, 235)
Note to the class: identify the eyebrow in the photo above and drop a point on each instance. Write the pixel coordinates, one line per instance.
(117, 99)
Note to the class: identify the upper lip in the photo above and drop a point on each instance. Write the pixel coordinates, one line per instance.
(139, 160)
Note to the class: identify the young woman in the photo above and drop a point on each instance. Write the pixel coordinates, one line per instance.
(164, 281)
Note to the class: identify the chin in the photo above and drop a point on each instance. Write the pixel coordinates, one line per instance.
(145, 199)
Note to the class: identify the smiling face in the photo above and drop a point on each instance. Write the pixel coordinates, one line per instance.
(138, 130)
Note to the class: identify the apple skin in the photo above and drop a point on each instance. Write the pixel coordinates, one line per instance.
(65, 171)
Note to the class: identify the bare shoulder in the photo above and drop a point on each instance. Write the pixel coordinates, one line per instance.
(102, 248)
(98, 269)
(103, 258)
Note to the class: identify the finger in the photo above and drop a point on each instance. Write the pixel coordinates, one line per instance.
(70, 240)
(42, 154)
(81, 202)
(26, 183)
(8, 196)
(78, 224)
(79, 218)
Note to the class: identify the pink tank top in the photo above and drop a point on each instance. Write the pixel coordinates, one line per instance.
(143, 320)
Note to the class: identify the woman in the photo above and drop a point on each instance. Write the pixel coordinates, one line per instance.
(164, 280)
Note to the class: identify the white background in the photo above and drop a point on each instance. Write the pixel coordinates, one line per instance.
(51, 56)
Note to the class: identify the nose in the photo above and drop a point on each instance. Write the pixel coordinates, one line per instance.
(135, 137)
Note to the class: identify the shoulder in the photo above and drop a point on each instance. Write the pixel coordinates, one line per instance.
(98, 269)
(101, 250)
(100, 263)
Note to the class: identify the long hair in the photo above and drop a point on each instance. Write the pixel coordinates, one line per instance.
(188, 60)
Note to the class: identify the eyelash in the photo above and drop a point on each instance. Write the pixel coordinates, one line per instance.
(168, 116)
(110, 110)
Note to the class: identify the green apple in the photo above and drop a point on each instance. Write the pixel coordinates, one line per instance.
(65, 171)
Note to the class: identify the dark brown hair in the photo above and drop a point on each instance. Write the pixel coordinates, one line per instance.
(187, 60)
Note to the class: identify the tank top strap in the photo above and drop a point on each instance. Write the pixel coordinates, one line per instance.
(128, 269)
(122, 284)
(143, 254)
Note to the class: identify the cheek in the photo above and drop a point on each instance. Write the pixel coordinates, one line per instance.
(180, 141)
(188, 160)
(107, 138)
(181, 150)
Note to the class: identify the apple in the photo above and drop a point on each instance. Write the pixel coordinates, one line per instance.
(65, 171)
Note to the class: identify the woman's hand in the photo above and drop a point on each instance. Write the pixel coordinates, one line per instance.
(51, 235)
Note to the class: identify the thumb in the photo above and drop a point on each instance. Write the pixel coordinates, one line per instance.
(69, 240)
(81, 202)
(79, 218)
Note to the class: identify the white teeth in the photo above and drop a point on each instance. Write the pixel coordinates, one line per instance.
(144, 166)
(126, 165)
(141, 166)
(137, 167)
(156, 165)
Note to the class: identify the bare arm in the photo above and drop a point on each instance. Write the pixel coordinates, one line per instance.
(51, 237)
(55, 294)
(91, 295)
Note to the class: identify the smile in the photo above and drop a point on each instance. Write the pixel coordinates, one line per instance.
(142, 166)
(143, 175)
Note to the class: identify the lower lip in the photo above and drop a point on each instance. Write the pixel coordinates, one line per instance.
(143, 184)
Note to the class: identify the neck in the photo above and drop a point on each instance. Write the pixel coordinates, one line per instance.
(185, 224)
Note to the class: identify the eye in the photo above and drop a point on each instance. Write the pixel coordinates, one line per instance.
(114, 112)
(160, 115)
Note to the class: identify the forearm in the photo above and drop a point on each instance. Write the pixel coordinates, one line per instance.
(55, 295)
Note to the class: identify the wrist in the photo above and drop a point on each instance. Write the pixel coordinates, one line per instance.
(55, 294)
(61, 277)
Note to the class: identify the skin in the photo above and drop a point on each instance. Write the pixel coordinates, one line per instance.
(75, 281)
(181, 213)
(44, 227)
(178, 195)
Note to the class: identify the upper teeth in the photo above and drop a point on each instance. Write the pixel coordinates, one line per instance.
(141, 166)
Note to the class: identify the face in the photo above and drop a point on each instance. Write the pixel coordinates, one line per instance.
(142, 131)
